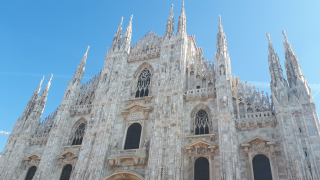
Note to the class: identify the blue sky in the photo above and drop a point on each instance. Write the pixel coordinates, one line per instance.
(42, 37)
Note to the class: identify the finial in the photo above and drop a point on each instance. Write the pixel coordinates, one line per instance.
(131, 17)
(121, 19)
(87, 50)
(51, 77)
(268, 36)
(219, 19)
(284, 34)
(172, 7)
(41, 80)
(182, 4)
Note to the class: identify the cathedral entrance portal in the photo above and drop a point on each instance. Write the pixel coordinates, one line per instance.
(124, 175)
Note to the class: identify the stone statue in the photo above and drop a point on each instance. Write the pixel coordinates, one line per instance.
(145, 143)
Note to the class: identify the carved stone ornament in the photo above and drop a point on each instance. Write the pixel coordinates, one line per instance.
(68, 157)
(32, 160)
(123, 175)
(224, 102)
(136, 111)
(131, 157)
(200, 146)
(259, 144)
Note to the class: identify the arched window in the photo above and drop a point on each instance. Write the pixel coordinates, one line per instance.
(66, 172)
(31, 173)
(261, 168)
(201, 169)
(78, 134)
(201, 122)
(133, 136)
(143, 84)
(241, 108)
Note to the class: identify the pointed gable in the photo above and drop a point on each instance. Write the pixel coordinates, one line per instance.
(268, 141)
(68, 152)
(201, 143)
(34, 155)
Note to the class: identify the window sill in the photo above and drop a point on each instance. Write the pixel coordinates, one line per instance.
(128, 157)
(210, 136)
(146, 99)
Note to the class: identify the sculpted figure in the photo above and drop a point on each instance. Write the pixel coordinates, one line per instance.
(115, 144)
(224, 102)
(145, 143)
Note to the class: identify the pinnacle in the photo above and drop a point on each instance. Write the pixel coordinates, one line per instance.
(284, 34)
(268, 36)
(86, 51)
(220, 25)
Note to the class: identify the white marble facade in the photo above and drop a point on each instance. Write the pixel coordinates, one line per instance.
(187, 108)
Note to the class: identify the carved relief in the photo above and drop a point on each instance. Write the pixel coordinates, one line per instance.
(136, 111)
(31, 160)
(67, 157)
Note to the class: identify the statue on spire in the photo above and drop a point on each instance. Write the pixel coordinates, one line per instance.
(268, 36)
(220, 25)
(221, 39)
(86, 51)
(284, 34)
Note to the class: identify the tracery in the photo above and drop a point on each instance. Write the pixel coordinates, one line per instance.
(143, 83)
(201, 122)
(78, 134)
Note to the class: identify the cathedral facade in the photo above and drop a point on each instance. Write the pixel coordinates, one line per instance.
(159, 110)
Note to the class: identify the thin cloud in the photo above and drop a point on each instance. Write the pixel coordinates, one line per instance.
(31, 74)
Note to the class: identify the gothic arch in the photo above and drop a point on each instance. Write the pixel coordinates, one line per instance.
(201, 120)
(141, 68)
(201, 106)
(77, 132)
(119, 175)
(142, 81)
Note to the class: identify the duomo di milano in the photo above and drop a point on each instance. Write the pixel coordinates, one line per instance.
(159, 111)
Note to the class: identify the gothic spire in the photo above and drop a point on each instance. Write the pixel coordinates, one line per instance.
(286, 43)
(182, 25)
(44, 93)
(292, 64)
(170, 25)
(81, 67)
(221, 39)
(32, 101)
(127, 36)
(275, 69)
(117, 38)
